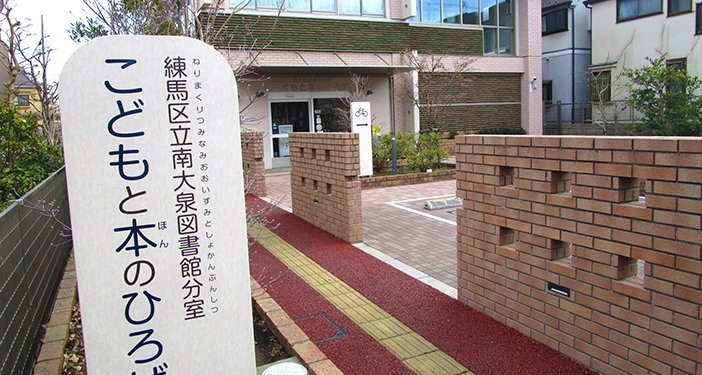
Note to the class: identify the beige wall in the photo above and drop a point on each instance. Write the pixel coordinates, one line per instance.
(629, 43)
(306, 88)
(529, 48)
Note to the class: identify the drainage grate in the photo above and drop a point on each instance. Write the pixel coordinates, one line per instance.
(439, 204)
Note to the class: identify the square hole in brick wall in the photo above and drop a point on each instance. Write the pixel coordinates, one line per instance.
(506, 175)
(506, 236)
(327, 155)
(630, 189)
(314, 184)
(561, 181)
(560, 250)
(640, 272)
(313, 153)
(328, 188)
(644, 186)
(628, 268)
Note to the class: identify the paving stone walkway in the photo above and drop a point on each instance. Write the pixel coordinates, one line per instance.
(396, 224)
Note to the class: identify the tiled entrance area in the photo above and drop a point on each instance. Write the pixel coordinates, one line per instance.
(396, 224)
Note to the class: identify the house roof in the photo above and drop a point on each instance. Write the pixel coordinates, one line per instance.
(552, 3)
(22, 81)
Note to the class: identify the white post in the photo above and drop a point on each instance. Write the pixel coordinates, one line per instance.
(361, 124)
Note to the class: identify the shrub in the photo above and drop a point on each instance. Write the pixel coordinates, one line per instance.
(422, 151)
(428, 152)
(503, 130)
(382, 149)
(26, 157)
(666, 98)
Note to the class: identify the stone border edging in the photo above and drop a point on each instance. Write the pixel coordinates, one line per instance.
(50, 358)
(293, 339)
(406, 179)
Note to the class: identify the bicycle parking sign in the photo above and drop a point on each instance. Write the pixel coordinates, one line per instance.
(361, 123)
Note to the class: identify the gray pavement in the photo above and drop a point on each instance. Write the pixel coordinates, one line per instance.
(398, 230)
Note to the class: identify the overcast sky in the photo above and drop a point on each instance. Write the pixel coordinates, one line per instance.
(58, 15)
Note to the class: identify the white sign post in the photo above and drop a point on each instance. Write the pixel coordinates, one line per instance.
(361, 124)
(153, 163)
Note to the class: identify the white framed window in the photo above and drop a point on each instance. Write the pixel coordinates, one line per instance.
(679, 6)
(554, 22)
(630, 9)
(22, 100)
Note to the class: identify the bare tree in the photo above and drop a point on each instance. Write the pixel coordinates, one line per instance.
(211, 24)
(46, 107)
(13, 34)
(26, 67)
(603, 88)
(359, 91)
(130, 17)
(241, 43)
(435, 86)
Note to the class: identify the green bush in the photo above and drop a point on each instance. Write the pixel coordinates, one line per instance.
(666, 98)
(421, 151)
(382, 149)
(503, 130)
(26, 158)
(428, 152)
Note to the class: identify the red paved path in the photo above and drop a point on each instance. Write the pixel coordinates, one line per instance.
(476, 341)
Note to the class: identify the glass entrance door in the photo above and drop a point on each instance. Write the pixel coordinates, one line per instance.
(287, 117)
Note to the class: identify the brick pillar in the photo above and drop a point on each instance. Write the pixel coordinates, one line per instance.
(254, 170)
(325, 187)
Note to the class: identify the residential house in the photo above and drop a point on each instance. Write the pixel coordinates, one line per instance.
(313, 47)
(565, 58)
(4, 75)
(625, 32)
(27, 97)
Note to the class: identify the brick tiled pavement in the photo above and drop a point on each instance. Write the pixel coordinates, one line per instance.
(422, 242)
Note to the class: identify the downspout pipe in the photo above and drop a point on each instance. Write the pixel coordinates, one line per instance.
(572, 58)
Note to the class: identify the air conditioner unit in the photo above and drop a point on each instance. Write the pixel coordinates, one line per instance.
(409, 9)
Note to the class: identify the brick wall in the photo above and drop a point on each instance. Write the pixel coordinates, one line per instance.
(475, 107)
(449, 145)
(325, 187)
(254, 168)
(555, 241)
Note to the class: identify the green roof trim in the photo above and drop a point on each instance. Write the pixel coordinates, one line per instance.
(325, 34)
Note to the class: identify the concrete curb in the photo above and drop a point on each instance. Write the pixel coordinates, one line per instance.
(293, 339)
(50, 358)
(406, 179)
